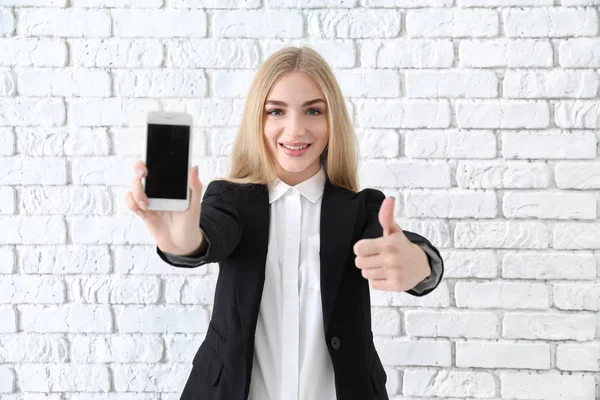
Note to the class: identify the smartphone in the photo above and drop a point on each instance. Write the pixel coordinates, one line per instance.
(168, 144)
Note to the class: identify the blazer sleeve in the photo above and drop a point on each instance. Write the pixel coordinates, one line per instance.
(221, 226)
(373, 229)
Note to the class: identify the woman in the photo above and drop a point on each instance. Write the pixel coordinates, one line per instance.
(298, 246)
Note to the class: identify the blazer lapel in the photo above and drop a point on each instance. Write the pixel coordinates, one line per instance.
(338, 218)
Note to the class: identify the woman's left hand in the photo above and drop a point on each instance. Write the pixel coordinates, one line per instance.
(391, 262)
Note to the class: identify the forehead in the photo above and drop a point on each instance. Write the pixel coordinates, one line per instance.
(297, 86)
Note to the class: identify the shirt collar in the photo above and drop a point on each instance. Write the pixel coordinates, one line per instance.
(312, 188)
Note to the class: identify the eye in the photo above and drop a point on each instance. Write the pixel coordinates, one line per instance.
(275, 112)
(314, 111)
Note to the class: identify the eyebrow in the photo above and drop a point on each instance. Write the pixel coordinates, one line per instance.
(282, 104)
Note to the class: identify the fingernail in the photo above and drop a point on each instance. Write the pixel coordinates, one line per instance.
(144, 205)
(197, 171)
(140, 172)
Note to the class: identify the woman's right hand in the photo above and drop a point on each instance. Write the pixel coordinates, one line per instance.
(176, 232)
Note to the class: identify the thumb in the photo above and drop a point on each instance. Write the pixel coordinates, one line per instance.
(386, 217)
(196, 188)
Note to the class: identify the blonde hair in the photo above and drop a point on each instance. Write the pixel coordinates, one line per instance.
(252, 162)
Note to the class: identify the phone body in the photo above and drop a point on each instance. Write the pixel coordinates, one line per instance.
(168, 152)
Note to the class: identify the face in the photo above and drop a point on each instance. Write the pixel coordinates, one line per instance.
(295, 126)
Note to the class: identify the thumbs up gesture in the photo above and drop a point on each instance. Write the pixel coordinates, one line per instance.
(391, 262)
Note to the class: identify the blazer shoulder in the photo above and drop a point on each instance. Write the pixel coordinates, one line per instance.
(371, 196)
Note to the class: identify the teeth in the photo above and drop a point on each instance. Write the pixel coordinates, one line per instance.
(295, 147)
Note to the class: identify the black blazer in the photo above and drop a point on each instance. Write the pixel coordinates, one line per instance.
(235, 219)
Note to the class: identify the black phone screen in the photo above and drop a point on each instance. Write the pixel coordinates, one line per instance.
(167, 154)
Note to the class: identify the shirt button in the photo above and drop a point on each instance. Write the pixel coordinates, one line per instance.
(335, 342)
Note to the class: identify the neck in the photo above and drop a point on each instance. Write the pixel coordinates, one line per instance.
(294, 178)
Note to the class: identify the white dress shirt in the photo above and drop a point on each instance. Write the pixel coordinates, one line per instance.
(291, 360)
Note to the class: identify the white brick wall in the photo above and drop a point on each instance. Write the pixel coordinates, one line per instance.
(480, 116)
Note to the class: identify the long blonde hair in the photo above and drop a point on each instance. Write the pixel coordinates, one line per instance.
(251, 160)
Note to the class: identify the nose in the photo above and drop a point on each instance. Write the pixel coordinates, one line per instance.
(295, 126)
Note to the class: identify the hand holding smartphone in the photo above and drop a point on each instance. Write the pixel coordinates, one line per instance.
(166, 193)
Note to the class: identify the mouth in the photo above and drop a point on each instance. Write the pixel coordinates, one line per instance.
(295, 151)
(295, 147)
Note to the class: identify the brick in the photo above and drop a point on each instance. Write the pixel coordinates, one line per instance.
(407, 3)
(386, 322)
(7, 380)
(576, 236)
(445, 384)
(7, 141)
(117, 53)
(150, 378)
(549, 326)
(578, 114)
(504, 3)
(508, 114)
(68, 22)
(464, 83)
(116, 348)
(24, 348)
(458, 324)
(8, 316)
(160, 23)
(35, 3)
(63, 82)
(110, 111)
(439, 298)
(63, 260)
(160, 83)
(181, 348)
(8, 83)
(109, 230)
(579, 53)
(503, 355)
(161, 319)
(544, 386)
(117, 3)
(32, 289)
(7, 260)
(33, 171)
(543, 205)
(404, 53)
(549, 265)
(497, 53)
(469, 264)
(7, 201)
(378, 143)
(551, 84)
(63, 141)
(369, 83)
(231, 83)
(143, 260)
(356, 23)
(504, 295)
(414, 353)
(66, 318)
(501, 234)
(578, 356)
(456, 22)
(337, 53)
(550, 22)
(191, 290)
(453, 204)
(22, 111)
(450, 143)
(405, 174)
(116, 290)
(63, 378)
(65, 200)
(396, 113)
(506, 175)
(33, 230)
(580, 296)
(212, 53)
(549, 144)
(577, 175)
(269, 23)
(26, 52)
(211, 4)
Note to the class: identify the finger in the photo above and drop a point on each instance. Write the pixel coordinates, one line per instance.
(368, 247)
(375, 274)
(369, 262)
(132, 205)
(138, 193)
(386, 217)
(196, 188)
